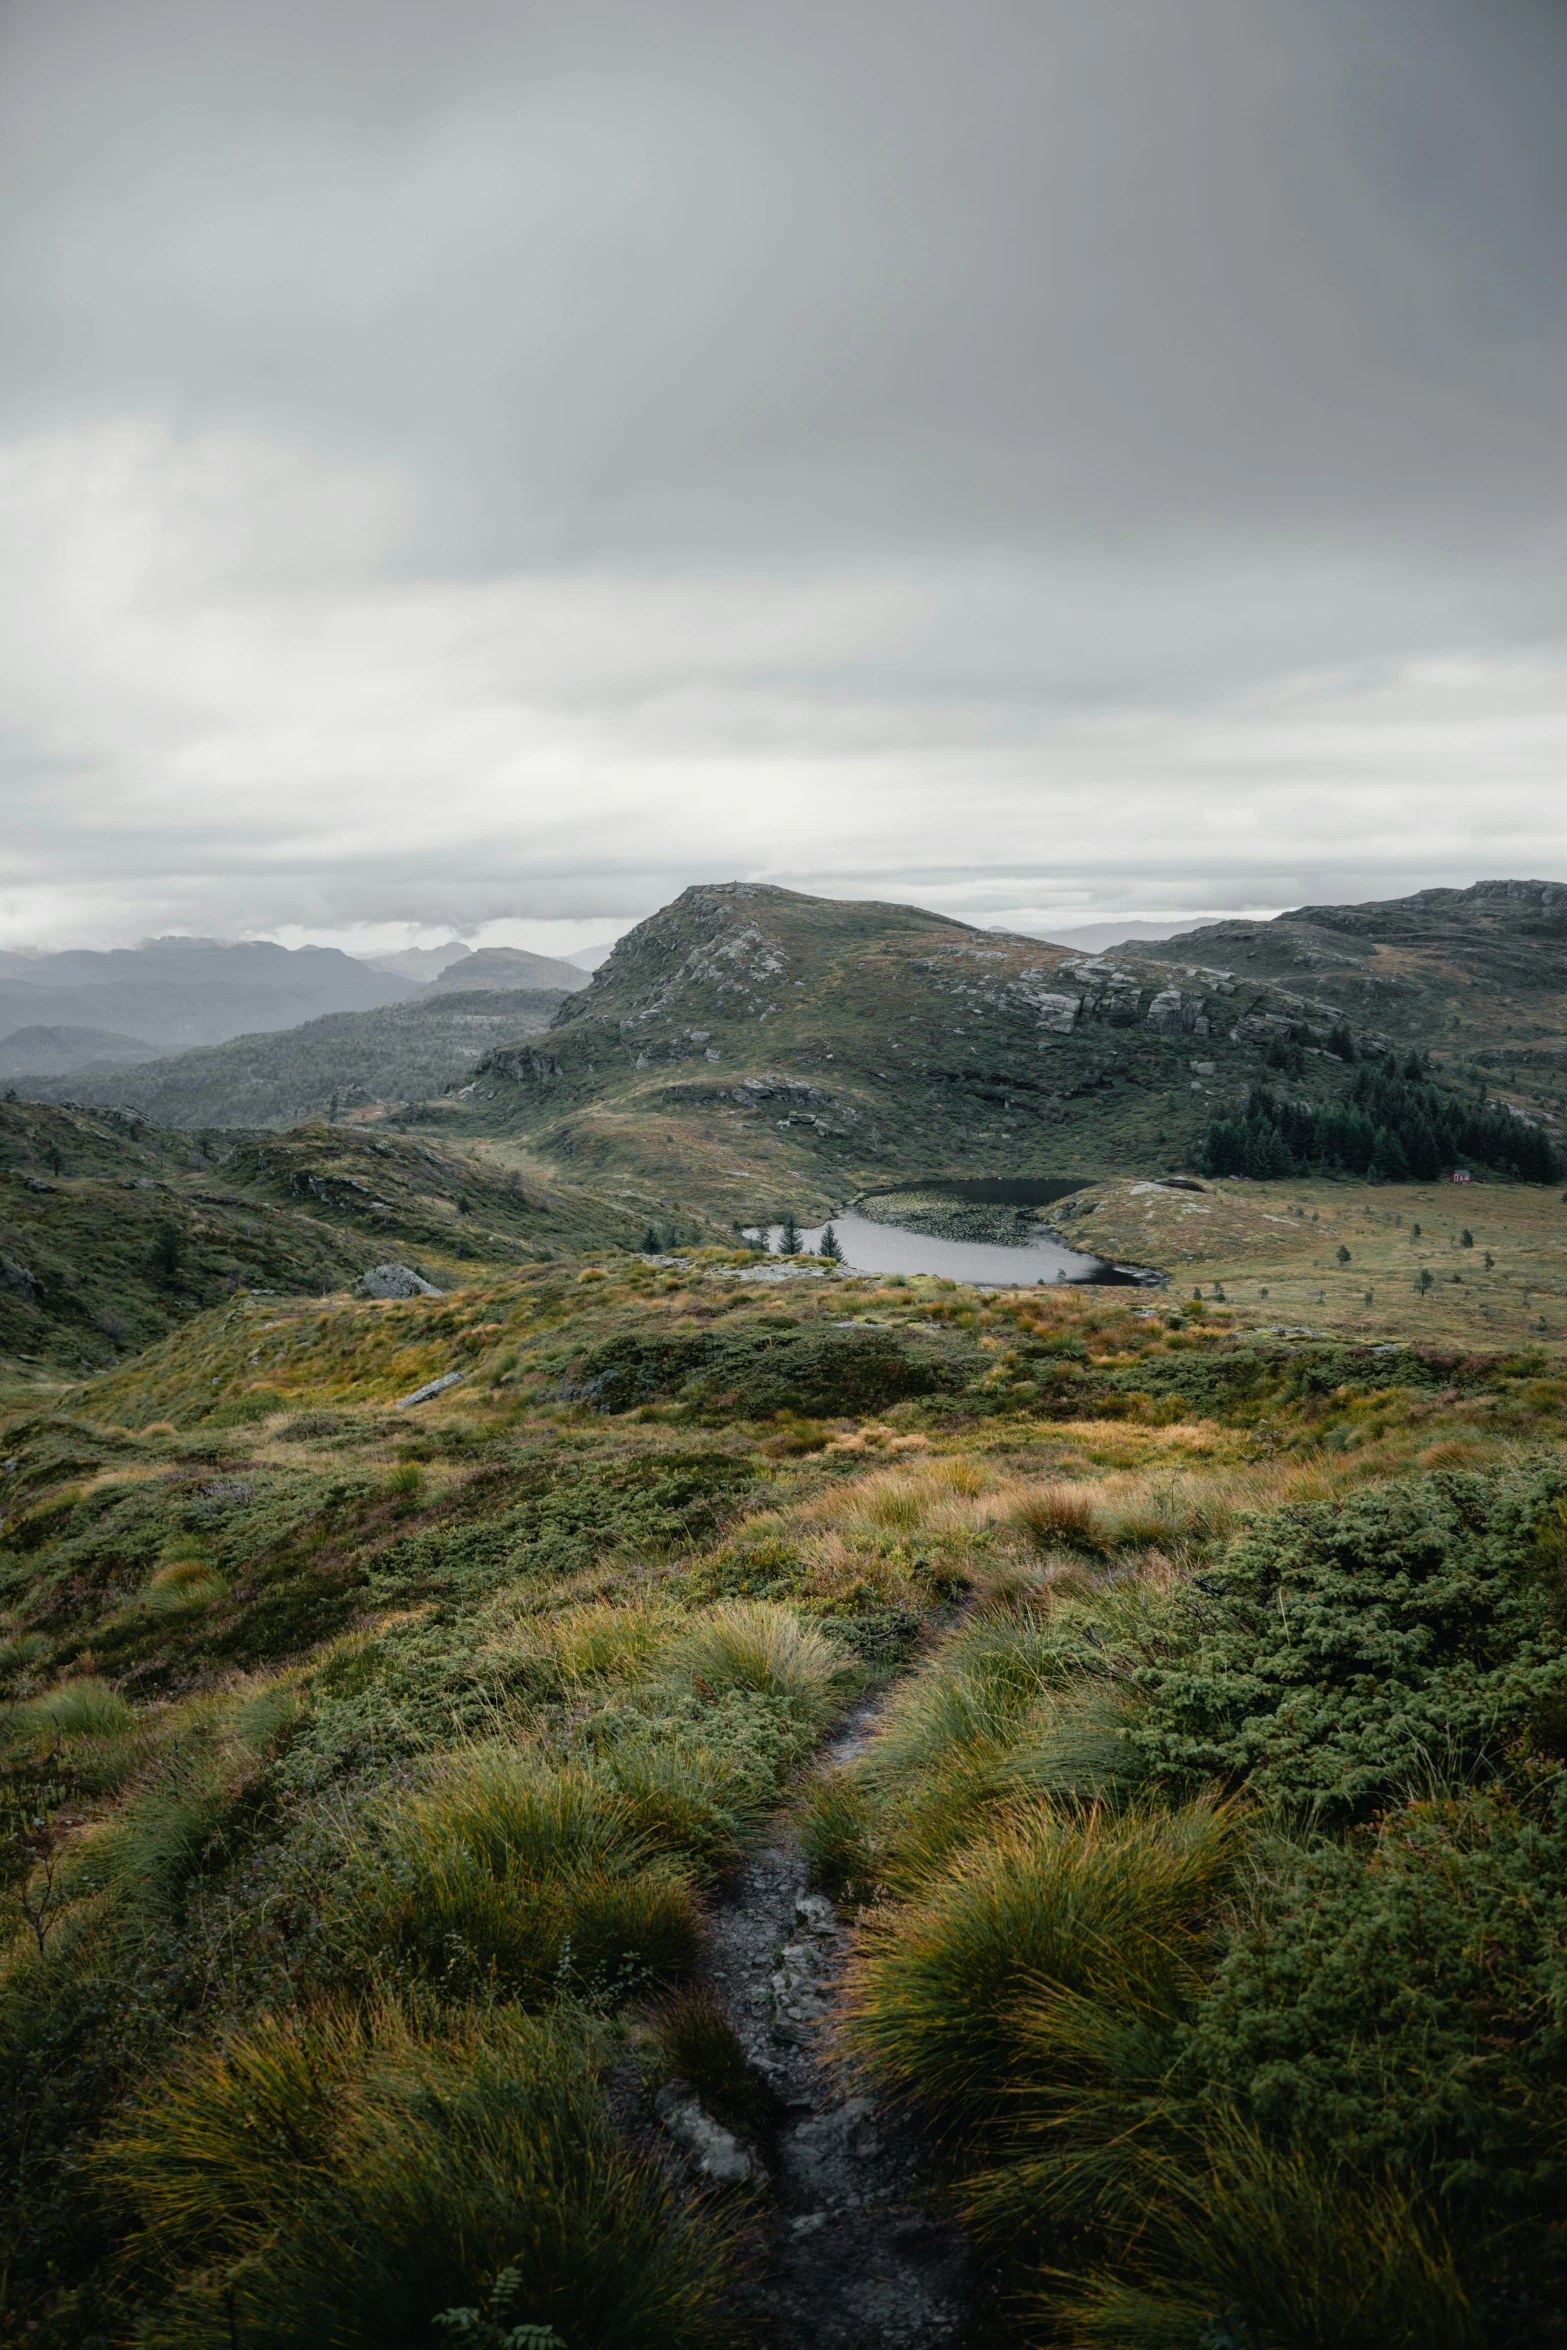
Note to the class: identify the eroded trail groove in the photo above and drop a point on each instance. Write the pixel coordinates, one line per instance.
(852, 2261)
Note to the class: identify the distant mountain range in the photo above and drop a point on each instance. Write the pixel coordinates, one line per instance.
(176, 992)
(397, 1054)
(82, 1013)
(511, 967)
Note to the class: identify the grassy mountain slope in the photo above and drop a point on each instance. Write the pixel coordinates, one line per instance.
(395, 1054)
(748, 1045)
(113, 1231)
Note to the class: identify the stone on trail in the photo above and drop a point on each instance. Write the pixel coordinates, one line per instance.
(716, 2153)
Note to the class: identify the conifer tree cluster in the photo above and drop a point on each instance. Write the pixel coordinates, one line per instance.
(1391, 1124)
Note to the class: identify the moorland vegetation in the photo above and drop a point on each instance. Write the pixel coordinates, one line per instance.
(370, 1774)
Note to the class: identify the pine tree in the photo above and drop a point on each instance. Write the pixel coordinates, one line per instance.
(829, 1246)
(789, 1236)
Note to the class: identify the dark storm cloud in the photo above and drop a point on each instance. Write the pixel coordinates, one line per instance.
(609, 418)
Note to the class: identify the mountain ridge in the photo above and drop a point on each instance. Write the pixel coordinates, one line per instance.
(748, 1041)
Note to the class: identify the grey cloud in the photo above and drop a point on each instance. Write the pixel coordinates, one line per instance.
(951, 413)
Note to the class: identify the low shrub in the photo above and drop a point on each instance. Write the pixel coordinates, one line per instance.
(1339, 1648)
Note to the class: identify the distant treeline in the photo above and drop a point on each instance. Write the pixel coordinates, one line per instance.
(1391, 1124)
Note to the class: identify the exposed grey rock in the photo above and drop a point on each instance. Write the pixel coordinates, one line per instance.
(396, 1281)
(430, 1387)
(1058, 1013)
(22, 1283)
(715, 2153)
(1172, 1014)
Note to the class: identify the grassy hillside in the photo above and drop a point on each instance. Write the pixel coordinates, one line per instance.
(396, 1054)
(113, 1231)
(748, 1047)
(372, 1774)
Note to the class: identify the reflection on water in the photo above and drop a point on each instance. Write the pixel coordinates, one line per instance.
(887, 1248)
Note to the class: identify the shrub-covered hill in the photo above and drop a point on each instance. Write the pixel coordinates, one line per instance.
(749, 1043)
(396, 1054)
(113, 1231)
(1478, 973)
(369, 1773)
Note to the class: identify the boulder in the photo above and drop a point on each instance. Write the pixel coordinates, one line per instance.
(714, 2152)
(396, 1281)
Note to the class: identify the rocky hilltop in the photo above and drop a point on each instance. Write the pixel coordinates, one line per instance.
(746, 1040)
(1474, 973)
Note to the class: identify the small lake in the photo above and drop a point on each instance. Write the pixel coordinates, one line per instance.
(888, 1248)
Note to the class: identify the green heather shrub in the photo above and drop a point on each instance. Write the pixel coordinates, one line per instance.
(813, 1371)
(333, 2179)
(1397, 2000)
(1341, 1648)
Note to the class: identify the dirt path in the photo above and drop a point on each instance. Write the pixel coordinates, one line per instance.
(852, 2263)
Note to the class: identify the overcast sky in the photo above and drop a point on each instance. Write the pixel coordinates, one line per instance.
(486, 466)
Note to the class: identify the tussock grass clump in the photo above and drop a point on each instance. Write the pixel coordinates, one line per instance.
(1027, 1704)
(537, 1879)
(770, 1651)
(1296, 2249)
(349, 2179)
(1045, 1909)
(200, 1803)
(699, 2045)
(185, 1583)
(86, 1708)
(687, 1800)
(1057, 1517)
(837, 1836)
(603, 1641)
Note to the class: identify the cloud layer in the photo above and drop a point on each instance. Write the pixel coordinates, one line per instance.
(498, 464)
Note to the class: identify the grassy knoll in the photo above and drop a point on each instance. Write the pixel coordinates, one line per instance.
(1273, 1250)
(368, 1773)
